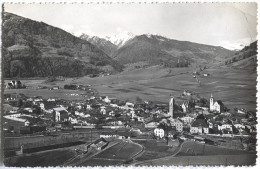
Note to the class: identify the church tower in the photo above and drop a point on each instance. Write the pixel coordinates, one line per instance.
(171, 106)
(211, 103)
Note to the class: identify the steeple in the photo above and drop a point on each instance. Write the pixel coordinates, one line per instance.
(211, 103)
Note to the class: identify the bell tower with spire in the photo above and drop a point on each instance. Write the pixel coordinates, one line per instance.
(211, 103)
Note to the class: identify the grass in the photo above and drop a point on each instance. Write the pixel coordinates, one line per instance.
(198, 149)
(100, 162)
(153, 151)
(212, 160)
(44, 159)
(235, 87)
(122, 151)
(114, 155)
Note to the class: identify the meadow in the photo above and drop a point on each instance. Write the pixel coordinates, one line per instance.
(113, 155)
(42, 159)
(211, 160)
(235, 87)
(199, 149)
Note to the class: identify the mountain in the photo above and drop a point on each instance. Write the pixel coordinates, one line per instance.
(120, 39)
(245, 58)
(156, 49)
(105, 45)
(31, 48)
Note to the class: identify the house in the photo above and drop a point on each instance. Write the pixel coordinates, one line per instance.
(30, 110)
(185, 106)
(217, 106)
(88, 107)
(159, 132)
(129, 104)
(106, 99)
(241, 111)
(199, 126)
(225, 126)
(151, 125)
(108, 135)
(14, 124)
(73, 120)
(47, 106)
(124, 135)
(187, 93)
(51, 100)
(103, 110)
(60, 114)
(239, 126)
(177, 124)
(100, 144)
(14, 84)
(187, 119)
(55, 88)
(37, 99)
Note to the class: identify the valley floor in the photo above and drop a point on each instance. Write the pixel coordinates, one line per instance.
(235, 87)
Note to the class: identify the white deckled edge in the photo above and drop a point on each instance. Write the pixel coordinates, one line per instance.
(139, 2)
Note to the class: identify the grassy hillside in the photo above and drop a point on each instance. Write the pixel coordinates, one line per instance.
(245, 58)
(158, 50)
(33, 48)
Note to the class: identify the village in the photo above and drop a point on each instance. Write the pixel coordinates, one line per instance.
(208, 122)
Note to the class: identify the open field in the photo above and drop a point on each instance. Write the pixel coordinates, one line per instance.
(41, 140)
(193, 153)
(43, 159)
(235, 87)
(199, 149)
(114, 155)
(211, 160)
(153, 151)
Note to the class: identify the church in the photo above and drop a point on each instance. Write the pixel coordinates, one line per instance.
(216, 106)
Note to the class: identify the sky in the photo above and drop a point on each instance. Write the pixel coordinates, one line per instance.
(230, 25)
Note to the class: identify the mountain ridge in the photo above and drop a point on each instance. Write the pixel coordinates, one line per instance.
(32, 48)
(168, 51)
(105, 45)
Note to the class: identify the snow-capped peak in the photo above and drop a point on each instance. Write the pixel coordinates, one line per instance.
(155, 36)
(121, 38)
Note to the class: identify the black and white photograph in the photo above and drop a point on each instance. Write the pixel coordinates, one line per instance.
(129, 84)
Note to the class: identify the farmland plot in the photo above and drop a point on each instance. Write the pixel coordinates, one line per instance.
(198, 149)
(114, 155)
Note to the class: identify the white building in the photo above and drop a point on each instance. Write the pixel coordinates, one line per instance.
(103, 110)
(185, 106)
(171, 106)
(159, 132)
(216, 106)
(129, 104)
(187, 119)
(225, 126)
(107, 100)
(177, 124)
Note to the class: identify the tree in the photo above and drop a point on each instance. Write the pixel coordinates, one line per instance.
(19, 103)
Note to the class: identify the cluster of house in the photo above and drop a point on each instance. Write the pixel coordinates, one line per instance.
(204, 120)
(103, 112)
(14, 84)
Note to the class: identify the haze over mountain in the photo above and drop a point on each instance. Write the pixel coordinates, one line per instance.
(156, 49)
(32, 48)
